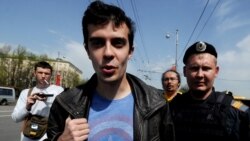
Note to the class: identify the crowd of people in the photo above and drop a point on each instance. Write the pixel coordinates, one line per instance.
(116, 105)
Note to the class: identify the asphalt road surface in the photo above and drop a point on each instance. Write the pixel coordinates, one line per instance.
(9, 130)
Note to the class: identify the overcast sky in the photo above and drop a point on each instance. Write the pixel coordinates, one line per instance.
(53, 27)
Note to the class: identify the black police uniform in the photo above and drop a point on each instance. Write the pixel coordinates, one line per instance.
(210, 119)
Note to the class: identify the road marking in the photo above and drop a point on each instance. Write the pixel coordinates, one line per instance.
(5, 111)
(4, 116)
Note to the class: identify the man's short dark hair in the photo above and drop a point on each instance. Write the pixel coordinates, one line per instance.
(43, 64)
(99, 13)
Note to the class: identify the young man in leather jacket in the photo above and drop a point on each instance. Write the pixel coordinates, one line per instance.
(112, 105)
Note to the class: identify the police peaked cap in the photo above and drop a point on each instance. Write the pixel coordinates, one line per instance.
(199, 47)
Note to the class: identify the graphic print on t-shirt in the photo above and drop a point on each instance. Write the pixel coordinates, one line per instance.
(111, 120)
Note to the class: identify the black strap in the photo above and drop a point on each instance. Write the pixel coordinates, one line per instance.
(29, 92)
(29, 115)
(224, 98)
(220, 98)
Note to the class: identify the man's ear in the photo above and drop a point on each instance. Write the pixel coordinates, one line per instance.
(86, 48)
(34, 73)
(184, 71)
(217, 71)
(131, 51)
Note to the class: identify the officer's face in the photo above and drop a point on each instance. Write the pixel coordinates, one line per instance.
(200, 71)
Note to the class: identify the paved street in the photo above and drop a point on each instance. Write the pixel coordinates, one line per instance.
(9, 130)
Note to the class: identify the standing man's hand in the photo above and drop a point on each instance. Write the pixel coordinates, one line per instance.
(75, 130)
(31, 100)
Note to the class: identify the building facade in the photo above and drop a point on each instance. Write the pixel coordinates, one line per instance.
(16, 72)
(63, 72)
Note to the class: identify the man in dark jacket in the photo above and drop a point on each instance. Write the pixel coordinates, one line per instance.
(112, 105)
(202, 114)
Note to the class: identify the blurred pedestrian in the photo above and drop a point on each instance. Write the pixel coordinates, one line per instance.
(171, 82)
(35, 101)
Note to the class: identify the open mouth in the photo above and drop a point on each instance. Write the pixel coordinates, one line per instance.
(108, 70)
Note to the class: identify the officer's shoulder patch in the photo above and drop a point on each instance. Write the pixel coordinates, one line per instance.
(239, 105)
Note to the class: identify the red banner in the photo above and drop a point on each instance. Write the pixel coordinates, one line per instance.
(58, 79)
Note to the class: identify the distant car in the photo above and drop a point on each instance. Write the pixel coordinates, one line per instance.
(7, 95)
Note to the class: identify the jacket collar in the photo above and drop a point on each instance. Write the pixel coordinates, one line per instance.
(147, 98)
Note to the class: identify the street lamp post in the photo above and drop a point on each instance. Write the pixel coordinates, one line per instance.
(176, 46)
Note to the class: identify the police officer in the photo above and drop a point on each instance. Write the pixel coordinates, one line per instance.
(202, 113)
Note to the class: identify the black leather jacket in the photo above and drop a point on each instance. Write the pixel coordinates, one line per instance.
(152, 121)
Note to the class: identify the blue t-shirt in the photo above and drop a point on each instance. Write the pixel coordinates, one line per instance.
(111, 120)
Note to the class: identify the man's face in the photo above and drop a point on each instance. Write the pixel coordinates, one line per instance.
(170, 82)
(200, 71)
(41, 75)
(108, 49)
